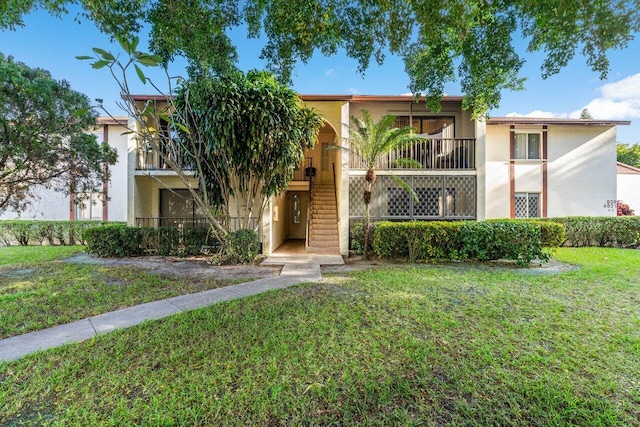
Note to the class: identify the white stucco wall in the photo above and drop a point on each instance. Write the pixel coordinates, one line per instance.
(581, 170)
(496, 190)
(117, 189)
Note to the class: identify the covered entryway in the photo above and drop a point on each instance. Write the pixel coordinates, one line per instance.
(306, 215)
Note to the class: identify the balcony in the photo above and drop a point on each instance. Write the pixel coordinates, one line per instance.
(299, 173)
(429, 154)
(148, 160)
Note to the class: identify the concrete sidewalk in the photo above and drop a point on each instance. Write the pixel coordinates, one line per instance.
(296, 269)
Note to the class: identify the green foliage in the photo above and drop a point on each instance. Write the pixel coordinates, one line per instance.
(357, 237)
(123, 241)
(116, 240)
(618, 232)
(418, 240)
(29, 232)
(44, 139)
(472, 40)
(496, 239)
(242, 247)
(370, 140)
(552, 233)
(248, 133)
(176, 241)
(629, 154)
(520, 241)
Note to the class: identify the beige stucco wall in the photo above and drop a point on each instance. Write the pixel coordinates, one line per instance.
(581, 170)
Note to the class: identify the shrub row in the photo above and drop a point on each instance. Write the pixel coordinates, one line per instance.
(36, 232)
(483, 240)
(120, 240)
(618, 232)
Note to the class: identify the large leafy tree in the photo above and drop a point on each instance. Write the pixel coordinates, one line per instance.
(472, 40)
(371, 140)
(44, 139)
(629, 154)
(242, 134)
(249, 132)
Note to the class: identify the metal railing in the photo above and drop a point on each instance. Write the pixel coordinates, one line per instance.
(191, 222)
(155, 222)
(335, 192)
(149, 159)
(439, 154)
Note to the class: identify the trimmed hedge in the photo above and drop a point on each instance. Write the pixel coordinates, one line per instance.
(123, 241)
(417, 239)
(611, 231)
(517, 240)
(117, 240)
(552, 233)
(490, 240)
(26, 232)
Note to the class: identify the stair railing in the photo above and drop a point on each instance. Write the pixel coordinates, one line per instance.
(335, 192)
(309, 211)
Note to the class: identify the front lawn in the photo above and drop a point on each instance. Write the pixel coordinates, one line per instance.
(459, 344)
(20, 255)
(38, 290)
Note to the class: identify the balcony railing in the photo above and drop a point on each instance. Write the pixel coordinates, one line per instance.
(438, 154)
(149, 159)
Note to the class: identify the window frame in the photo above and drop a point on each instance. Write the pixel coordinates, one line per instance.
(527, 196)
(527, 151)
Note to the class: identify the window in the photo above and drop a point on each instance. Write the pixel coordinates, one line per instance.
(89, 207)
(434, 127)
(178, 203)
(526, 146)
(325, 156)
(527, 205)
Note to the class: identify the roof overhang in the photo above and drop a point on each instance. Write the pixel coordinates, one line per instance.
(540, 121)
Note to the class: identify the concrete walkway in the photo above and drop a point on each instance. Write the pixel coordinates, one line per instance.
(296, 269)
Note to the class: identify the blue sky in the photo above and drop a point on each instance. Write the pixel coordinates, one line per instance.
(53, 44)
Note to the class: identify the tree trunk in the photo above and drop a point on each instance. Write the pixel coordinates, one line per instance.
(367, 221)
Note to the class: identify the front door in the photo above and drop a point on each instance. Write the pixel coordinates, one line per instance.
(297, 212)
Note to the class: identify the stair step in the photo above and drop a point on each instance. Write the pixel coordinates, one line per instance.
(324, 225)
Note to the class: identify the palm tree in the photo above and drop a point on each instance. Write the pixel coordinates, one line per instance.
(370, 140)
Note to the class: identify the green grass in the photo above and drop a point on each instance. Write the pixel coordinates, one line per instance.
(38, 291)
(460, 344)
(18, 255)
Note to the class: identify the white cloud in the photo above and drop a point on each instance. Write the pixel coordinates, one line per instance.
(354, 91)
(620, 100)
(541, 114)
(406, 94)
(617, 101)
(330, 73)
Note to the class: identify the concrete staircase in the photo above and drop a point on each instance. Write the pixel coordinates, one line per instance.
(323, 229)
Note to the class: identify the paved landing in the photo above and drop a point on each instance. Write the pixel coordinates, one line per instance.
(296, 269)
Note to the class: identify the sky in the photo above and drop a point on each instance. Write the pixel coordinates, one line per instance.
(52, 43)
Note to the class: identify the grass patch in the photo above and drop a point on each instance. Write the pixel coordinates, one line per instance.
(412, 345)
(19, 255)
(41, 292)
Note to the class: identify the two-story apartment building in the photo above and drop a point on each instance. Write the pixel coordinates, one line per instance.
(108, 203)
(469, 169)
